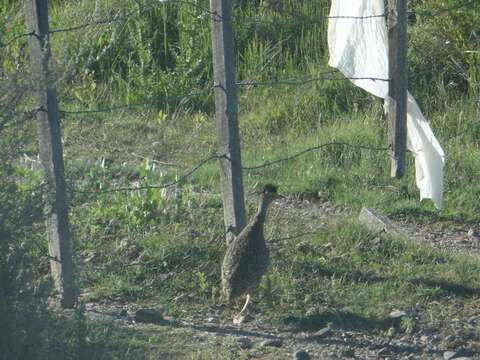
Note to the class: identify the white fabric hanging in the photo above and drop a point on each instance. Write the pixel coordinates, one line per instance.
(359, 48)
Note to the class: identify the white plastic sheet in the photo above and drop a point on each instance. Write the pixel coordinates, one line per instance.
(359, 48)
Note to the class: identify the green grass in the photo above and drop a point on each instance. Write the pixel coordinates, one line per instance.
(158, 246)
(354, 278)
(349, 278)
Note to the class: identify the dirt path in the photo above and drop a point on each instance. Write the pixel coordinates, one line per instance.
(213, 334)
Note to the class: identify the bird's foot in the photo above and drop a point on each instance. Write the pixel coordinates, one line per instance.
(242, 318)
(238, 319)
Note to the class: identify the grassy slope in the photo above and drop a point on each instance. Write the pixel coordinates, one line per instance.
(355, 284)
(351, 277)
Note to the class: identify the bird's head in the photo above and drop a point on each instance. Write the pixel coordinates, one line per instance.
(270, 192)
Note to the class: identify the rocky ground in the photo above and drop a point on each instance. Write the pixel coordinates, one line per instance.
(259, 339)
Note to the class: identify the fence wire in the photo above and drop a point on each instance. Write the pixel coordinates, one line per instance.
(182, 178)
(15, 38)
(316, 20)
(247, 84)
(308, 81)
(240, 84)
(313, 148)
(253, 21)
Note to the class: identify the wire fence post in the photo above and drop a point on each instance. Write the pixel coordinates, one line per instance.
(51, 155)
(397, 91)
(227, 118)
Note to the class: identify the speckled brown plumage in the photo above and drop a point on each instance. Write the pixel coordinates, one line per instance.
(247, 258)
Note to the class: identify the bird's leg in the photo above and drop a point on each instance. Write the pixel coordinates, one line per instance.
(246, 304)
(240, 317)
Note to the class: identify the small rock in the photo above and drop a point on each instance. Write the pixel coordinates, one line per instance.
(245, 343)
(301, 355)
(448, 355)
(123, 313)
(272, 342)
(212, 319)
(348, 353)
(148, 316)
(321, 333)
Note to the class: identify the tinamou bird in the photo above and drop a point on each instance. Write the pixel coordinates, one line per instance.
(247, 257)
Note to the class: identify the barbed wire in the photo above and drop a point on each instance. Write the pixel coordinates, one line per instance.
(107, 20)
(244, 84)
(254, 21)
(24, 116)
(315, 20)
(15, 38)
(208, 89)
(284, 82)
(313, 148)
(304, 82)
(320, 19)
(224, 156)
